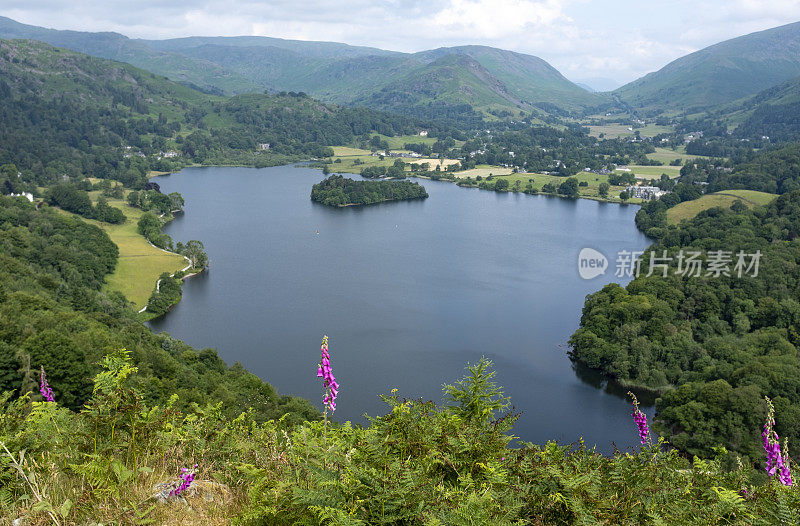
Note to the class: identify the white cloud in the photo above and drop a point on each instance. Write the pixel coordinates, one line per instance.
(492, 19)
(620, 39)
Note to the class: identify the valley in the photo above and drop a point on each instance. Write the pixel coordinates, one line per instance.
(619, 271)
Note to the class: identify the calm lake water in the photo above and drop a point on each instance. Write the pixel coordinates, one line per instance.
(407, 292)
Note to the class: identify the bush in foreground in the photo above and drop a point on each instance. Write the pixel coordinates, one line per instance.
(417, 464)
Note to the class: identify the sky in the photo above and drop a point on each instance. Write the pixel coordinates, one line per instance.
(618, 40)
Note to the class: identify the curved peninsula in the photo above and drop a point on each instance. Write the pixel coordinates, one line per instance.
(339, 191)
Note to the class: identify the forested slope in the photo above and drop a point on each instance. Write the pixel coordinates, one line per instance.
(712, 345)
(53, 315)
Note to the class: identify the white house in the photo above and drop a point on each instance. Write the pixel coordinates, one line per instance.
(26, 195)
(645, 192)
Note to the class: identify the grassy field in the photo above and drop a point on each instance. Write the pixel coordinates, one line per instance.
(354, 159)
(140, 264)
(590, 191)
(651, 172)
(689, 209)
(346, 151)
(614, 131)
(483, 170)
(666, 155)
(397, 143)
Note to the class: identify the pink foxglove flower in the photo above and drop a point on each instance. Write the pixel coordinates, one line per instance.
(640, 419)
(44, 387)
(187, 477)
(777, 459)
(325, 372)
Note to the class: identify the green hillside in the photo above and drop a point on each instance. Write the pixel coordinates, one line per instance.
(690, 209)
(454, 79)
(315, 49)
(333, 72)
(195, 72)
(64, 113)
(773, 113)
(719, 74)
(526, 78)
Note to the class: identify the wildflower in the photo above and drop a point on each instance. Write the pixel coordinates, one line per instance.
(325, 372)
(187, 477)
(777, 459)
(640, 419)
(44, 387)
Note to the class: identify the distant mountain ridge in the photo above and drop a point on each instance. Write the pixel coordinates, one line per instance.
(494, 79)
(467, 82)
(719, 74)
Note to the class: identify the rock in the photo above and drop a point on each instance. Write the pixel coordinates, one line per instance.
(207, 490)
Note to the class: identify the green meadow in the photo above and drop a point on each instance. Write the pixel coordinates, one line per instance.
(689, 209)
(140, 263)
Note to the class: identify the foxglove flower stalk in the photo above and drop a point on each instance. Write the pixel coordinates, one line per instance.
(640, 419)
(777, 459)
(44, 387)
(187, 477)
(325, 372)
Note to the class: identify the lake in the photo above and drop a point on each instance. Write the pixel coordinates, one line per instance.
(407, 292)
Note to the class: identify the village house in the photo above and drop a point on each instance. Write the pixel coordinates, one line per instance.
(645, 192)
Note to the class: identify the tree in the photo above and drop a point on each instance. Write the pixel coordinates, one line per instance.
(195, 251)
(624, 195)
(65, 364)
(603, 189)
(176, 202)
(501, 185)
(569, 187)
(738, 206)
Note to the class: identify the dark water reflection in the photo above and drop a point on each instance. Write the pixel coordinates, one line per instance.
(408, 293)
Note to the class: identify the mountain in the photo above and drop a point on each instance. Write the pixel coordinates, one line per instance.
(526, 78)
(202, 74)
(773, 113)
(496, 79)
(719, 74)
(315, 49)
(348, 74)
(68, 114)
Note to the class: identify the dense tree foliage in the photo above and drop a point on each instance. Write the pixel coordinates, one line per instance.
(712, 345)
(73, 199)
(149, 226)
(339, 191)
(166, 293)
(375, 172)
(548, 149)
(154, 200)
(774, 170)
(53, 313)
(64, 115)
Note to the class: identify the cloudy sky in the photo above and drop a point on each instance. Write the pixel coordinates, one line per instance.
(614, 39)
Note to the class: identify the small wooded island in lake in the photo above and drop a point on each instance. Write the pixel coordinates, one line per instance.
(339, 191)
